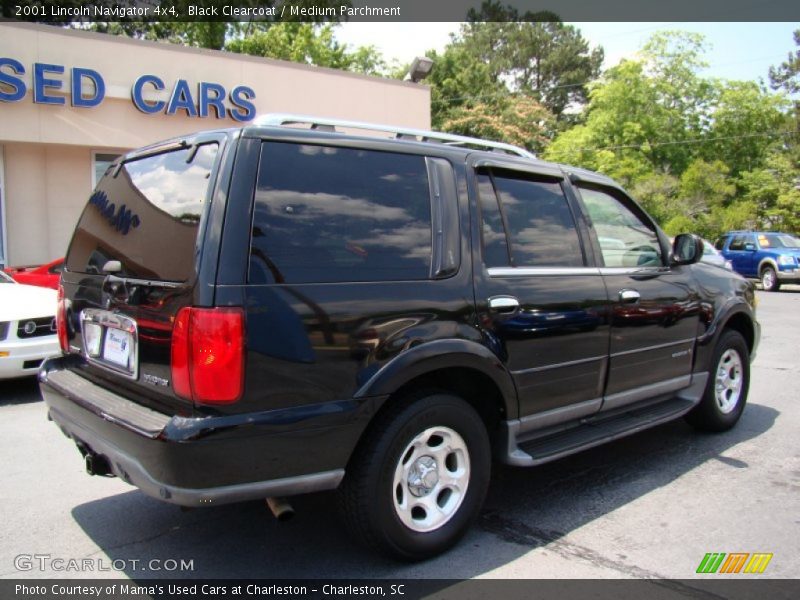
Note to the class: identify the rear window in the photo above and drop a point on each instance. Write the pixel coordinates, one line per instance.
(146, 216)
(328, 214)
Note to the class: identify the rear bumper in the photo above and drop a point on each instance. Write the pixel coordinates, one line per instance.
(207, 460)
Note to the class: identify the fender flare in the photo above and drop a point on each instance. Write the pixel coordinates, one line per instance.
(732, 308)
(442, 354)
(767, 260)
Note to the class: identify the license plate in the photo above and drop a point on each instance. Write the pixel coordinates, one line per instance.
(110, 341)
(117, 347)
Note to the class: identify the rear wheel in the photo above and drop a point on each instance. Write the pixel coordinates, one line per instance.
(419, 479)
(769, 280)
(729, 381)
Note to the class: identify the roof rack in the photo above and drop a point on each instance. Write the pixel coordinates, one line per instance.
(421, 135)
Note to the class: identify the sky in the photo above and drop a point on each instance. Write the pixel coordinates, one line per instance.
(742, 51)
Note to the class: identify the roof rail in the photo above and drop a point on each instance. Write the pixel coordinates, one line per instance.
(280, 119)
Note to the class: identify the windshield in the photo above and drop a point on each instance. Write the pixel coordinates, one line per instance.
(708, 249)
(778, 240)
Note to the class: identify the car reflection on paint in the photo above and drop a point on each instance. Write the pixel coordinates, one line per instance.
(535, 322)
(46, 275)
(375, 333)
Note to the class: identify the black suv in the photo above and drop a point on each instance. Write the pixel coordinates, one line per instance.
(275, 310)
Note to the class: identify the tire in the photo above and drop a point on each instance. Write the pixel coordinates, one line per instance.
(729, 381)
(418, 480)
(769, 280)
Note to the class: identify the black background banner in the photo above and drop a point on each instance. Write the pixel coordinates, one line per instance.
(64, 11)
(706, 588)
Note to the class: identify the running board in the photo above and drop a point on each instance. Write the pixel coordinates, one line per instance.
(592, 432)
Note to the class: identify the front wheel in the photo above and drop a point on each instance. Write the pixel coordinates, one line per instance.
(769, 280)
(726, 393)
(419, 478)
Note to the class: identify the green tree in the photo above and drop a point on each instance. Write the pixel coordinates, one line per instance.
(747, 123)
(773, 193)
(705, 186)
(459, 80)
(533, 54)
(499, 52)
(552, 62)
(518, 120)
(308, 43)
(786, 76)
(697, 152)
(200, 33)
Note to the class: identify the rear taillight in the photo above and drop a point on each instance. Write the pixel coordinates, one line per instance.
(61, 320)
(208, 354)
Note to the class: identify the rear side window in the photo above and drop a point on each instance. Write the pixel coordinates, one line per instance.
(326, 214)
(146, 216)
(539, 225)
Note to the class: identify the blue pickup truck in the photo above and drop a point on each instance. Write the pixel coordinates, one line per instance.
(773, 258)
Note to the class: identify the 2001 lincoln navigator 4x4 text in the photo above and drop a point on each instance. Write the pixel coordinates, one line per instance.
(274, 310)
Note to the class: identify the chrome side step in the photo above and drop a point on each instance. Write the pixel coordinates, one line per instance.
(537, 448)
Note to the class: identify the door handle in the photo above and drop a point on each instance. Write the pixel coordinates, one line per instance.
(503, 304)
(629, 296)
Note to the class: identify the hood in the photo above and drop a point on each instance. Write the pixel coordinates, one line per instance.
(19, 301)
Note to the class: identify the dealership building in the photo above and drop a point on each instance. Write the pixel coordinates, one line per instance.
(71, 101)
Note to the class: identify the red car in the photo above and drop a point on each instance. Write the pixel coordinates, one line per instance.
(43, 275)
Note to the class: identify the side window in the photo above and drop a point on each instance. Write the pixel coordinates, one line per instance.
(541, 230)
(737, 243)
(493, 234)
(326, 214)
(625, 239)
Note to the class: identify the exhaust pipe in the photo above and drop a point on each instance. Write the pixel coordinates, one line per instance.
(281, 508)
(97, 465)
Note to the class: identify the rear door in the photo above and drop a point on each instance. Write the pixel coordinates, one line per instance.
(654, 307)
(345, 272)
(541, 302)
(133, 263)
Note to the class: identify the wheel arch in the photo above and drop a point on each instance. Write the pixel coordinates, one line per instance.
(738, 317)
(442, 360)
(463, 368)
(767, 261)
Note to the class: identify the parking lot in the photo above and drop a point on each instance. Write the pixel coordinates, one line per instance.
(651, 505)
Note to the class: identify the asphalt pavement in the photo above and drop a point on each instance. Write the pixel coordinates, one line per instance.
(648, 506)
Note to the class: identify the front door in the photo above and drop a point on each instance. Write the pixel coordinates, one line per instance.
(541, 305)
(654, 309)
(741, 251)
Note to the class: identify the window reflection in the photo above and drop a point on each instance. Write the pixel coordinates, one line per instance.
(327, 214)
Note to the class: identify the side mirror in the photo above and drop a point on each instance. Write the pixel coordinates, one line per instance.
(750, 247)
(687, 249)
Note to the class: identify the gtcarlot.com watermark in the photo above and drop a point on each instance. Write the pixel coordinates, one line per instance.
(60, 564)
